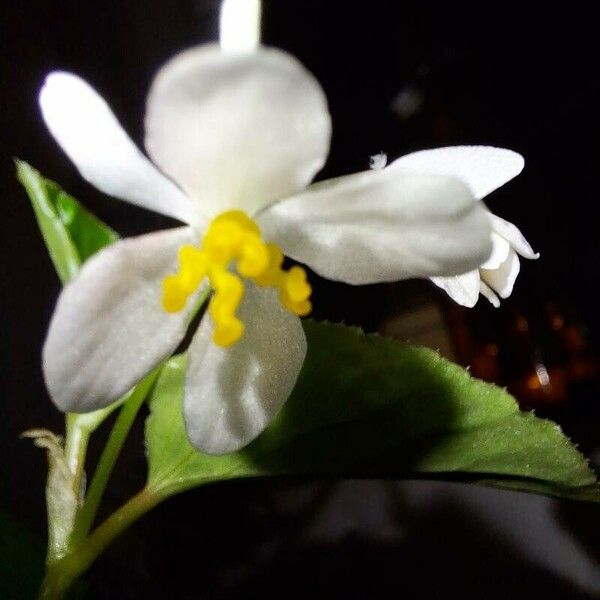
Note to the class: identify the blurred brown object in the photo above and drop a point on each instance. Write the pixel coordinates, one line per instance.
(542, 354)
(536, 373)
(569, 338)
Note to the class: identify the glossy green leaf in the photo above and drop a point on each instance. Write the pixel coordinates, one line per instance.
(367, 406)
(72, 234)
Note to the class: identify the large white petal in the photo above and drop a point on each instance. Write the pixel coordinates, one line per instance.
(232, 393)
(237, 130)
(109, 328)
(484, 168)
(463, 289)
(502, 279)
(382, 225)
(513, 236)
(89, 133)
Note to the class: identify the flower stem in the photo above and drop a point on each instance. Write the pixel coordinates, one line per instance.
(62, 574)
(76, 444)
(114, 444)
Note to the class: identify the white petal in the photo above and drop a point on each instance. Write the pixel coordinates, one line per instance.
(513, 236)
(463, 289)
(500, 250)
(502, 279)
(239, 25)
(489, 294)
(382, 226)
(237, 130)
(109, 328)
(89, 133)
(231, 394)
(483, 168)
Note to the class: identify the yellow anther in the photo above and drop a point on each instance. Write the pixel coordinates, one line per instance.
(228, 332)
(174, 296)
(296, 286)
(233, 241)
(193, 267)
(229, 291)
(301, 308)
(273, 274)
(254, 259)
(222, 242)
(240, 218)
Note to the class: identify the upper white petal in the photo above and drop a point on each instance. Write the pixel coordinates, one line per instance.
(239, 25)
(463, 289)
(109, 328)
(513, 236)
(502, 279)
(90, 134)
(231, 394)
(237, 130)
(382, 226)
(484, 168)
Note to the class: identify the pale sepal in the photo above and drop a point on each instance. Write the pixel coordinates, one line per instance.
(109, 328)
(89, 133)
(483, 168)
(237, 130)
(383, 225)
(463, 289)
(231, 394)
(502, 279)
(513, 236)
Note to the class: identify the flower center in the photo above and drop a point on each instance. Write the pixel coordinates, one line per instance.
(233, 243)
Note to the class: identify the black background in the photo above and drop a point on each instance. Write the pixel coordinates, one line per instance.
(502, 74)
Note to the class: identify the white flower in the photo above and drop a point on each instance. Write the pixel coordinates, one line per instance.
(485, 169)
(235, 130)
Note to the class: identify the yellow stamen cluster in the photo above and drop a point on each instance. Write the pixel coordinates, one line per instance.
(233, 241)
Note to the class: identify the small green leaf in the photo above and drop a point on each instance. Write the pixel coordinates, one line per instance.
(72, 234)
(367, 406)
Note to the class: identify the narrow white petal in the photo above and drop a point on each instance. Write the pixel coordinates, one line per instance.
(239, 25)
(237, 130)
(483, 168)
(502, 279)
(463, 289)
(380, 226)
(513, 236)
(500, 250)
(490, 295)
(89, 133)
(231, 394)
(109, 328)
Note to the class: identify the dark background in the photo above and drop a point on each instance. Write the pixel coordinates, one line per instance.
(499, 74)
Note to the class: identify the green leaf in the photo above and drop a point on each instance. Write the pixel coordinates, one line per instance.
(72, 234)
(367, 406)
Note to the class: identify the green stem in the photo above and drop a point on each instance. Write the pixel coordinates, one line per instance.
(76, 444)
(62, 574)
(108, 459)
